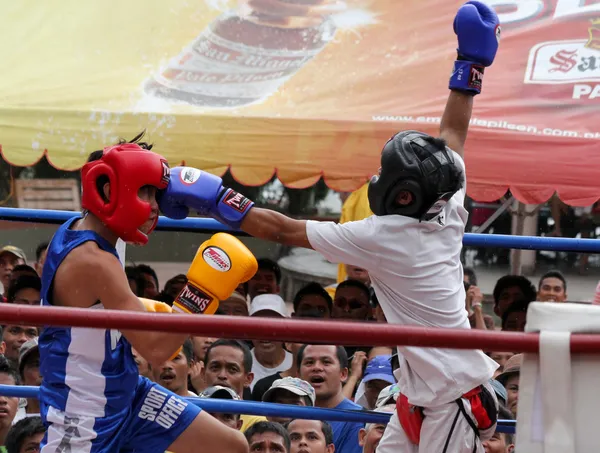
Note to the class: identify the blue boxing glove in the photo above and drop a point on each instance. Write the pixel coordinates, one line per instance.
(478, 30)
(190, 188)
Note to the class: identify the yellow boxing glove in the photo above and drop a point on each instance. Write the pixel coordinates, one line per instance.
(155, 306)
(220, 265)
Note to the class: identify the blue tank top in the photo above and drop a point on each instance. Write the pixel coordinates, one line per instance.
(85, 371)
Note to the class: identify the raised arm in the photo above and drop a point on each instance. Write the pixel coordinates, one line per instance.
(478, 30)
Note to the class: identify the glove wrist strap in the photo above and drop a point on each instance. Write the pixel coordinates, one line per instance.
(233, 207)
(467, 76)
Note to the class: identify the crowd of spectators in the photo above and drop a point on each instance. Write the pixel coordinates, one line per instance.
(324, 376)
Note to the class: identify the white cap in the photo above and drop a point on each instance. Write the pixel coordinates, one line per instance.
(269, 302)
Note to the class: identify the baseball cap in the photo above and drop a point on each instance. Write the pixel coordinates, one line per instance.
(219, 392)
(14, 250)
(379, 367)
(499, 390)
(296, 386)
(511, 367)
(269, 302)
(388, 395)
(27, 348)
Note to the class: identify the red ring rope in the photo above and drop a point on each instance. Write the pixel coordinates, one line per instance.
(299, 331)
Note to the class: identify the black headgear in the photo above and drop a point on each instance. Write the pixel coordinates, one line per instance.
(418, 163)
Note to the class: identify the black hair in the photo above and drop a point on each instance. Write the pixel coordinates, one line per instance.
(340, 352)
(519, 306)
(509, 281)
(25, 268)
(188, 350)
(233, 344)
(550, 274)
(7, 368)
(313, 288)
(23, 282)
(133, 274)
(269, 427)
(20, 431)
(354, 284)
(325, 429)
(40, 249)
(472, 276)
(267, 264)
(505, 414)
(145, 269)
(97, 155)
(179, 278)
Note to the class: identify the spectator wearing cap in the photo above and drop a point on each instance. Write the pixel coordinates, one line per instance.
(552, 287)
(371, 434)
(500, 391)
(377, 376)
(509, 378)
(29, 372)
(515, 317)
(223, 393)
(312, 301)
(266, 280)
(173, 374)
(325, 367)
(235, 305)
(10, 256)
(501, 442)
(14, 337)
(509, 289)
(40, 257)
(292, 391)
(265, 383)
(24, 290)
(268, 357)
(150, 281)
(25, 436)
(387, 396)
(228, 363)
(310, 436)
(352, 301)
(8, 405)
(268, 437)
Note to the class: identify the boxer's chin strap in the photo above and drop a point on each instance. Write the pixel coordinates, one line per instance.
(121, 246)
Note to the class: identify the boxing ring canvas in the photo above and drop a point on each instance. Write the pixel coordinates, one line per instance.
(194, 75)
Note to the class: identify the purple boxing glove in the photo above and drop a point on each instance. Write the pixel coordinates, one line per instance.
(191, 188)
(478, 30)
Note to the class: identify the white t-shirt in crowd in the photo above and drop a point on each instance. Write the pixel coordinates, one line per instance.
(261, 371)
(417, 275)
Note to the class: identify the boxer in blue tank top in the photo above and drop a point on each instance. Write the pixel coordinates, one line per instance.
(92, 398)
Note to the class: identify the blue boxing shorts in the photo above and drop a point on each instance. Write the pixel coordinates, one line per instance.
(151, 424)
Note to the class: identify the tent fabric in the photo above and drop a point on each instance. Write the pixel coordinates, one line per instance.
(312, 89)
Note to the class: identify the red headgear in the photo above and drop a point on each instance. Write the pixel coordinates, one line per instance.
(128, 168)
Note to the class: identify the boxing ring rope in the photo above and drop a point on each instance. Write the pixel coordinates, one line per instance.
(287, 330)
(203, 225)
(264, 409)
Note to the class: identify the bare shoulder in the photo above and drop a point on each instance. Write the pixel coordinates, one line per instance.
(83, 271)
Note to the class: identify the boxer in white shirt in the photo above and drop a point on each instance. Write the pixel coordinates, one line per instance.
(411, 249)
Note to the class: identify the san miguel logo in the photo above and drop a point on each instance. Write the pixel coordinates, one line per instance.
(575, 61)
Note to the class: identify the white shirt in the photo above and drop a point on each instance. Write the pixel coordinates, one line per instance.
(417, 275)
(262, 371)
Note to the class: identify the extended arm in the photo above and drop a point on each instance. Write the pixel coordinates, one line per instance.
(455, 121)
(276, 227)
